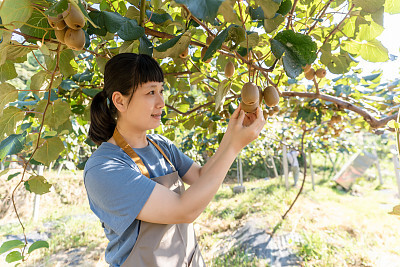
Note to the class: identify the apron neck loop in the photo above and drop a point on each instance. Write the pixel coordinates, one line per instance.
(119, 139)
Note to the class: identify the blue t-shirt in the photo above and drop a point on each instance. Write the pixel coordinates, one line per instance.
(117, 190)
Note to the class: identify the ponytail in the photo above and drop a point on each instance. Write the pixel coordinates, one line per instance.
(102, 119)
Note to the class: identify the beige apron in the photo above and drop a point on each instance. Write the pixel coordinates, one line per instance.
(162, 245)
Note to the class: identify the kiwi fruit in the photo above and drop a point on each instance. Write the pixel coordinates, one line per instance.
(271, 112)
(209, 40)
(275, 109)
(185, 53)
(57, 23)
(271, 96)
(310, 74)
(60, 34)
(320, 73)
(307, 68)
(229, 69)
(75, 39)
(203, 52)
(73, 17)
(249, 108)
(265, 114)
(250, 94)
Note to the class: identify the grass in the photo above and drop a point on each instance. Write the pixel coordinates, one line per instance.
(337, 228)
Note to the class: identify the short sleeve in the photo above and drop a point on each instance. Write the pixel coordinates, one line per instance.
(116, 192)
(181, 161)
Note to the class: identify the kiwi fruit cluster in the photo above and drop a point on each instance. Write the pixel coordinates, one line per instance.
(310, 72)
(252, 96)
(68, 27)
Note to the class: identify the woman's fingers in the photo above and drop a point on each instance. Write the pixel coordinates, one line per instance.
(236, 113)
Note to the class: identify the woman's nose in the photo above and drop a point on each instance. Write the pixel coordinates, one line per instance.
(160, 100)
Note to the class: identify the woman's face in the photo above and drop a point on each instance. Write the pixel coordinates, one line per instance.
(144, 110)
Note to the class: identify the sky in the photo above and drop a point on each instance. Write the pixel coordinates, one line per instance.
(390, 38)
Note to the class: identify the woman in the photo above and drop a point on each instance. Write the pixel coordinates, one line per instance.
(133, 179)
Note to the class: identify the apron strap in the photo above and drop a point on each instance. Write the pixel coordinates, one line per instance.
(119, 139)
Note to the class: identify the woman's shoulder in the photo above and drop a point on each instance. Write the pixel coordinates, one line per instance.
(106, 153)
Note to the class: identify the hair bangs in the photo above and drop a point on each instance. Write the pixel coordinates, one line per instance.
(146, 70)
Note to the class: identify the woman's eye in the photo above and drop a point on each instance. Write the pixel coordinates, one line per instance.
(151, 92)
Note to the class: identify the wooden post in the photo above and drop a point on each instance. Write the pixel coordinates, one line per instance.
(36, 201)
(273, 165)
(311, 170)
(397, 171)
(285, 166)
(240, 171)
(59, 169)
(378, 168)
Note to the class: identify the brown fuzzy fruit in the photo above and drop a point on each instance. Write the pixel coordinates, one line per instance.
(271, 96)
(73, 17)
(271, 112)
(203, 52)
(307, 68)
(249, 108)
(265, 114)
(250, 94)
(60, 34)
(75, 39)
(209, 40)
(275, 109)
(229, 69)
(57, 23)
(185, 53)
(320, 73)
(310, 74)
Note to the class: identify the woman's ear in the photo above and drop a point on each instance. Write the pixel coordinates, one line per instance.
(119, 101)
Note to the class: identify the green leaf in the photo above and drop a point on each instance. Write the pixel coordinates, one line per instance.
(301, 45)
(14, 256)
(15, 13)
(37, 245)
(40, 80)
(12, 145)
(145, 46)
(8, 94)
(374, 51)
(392, 6)
(158, 18)
(68, 66)
(216, 44)
(196, 78)
(222, 91)
(369, 32)
(203, 9)
(130, 30)
(38, 20)
(174, 47)
(49, 150)
(256, 13)
(12, 50)
(38, 185)
(270, 7)
(13, 175)
(253, 40)
(7, 71)
(393, 124)
(189, 124)
(372, 76)
(227, 11)
(113, 21)
(349, 27)
(369, 6)
(271, 25)
(396, 99)
(11, 244)
(285, 7)
(3, 172)
(98, 18)
(56, 114)
(8, 121)
(57, 8)
(90, 91)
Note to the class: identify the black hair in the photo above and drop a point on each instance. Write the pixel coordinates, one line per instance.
(123, 73)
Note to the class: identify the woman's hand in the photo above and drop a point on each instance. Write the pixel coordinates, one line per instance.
(242, 128)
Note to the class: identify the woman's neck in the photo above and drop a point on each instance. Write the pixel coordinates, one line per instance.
(136, 139)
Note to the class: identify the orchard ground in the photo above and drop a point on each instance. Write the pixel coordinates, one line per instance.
(336, 228)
